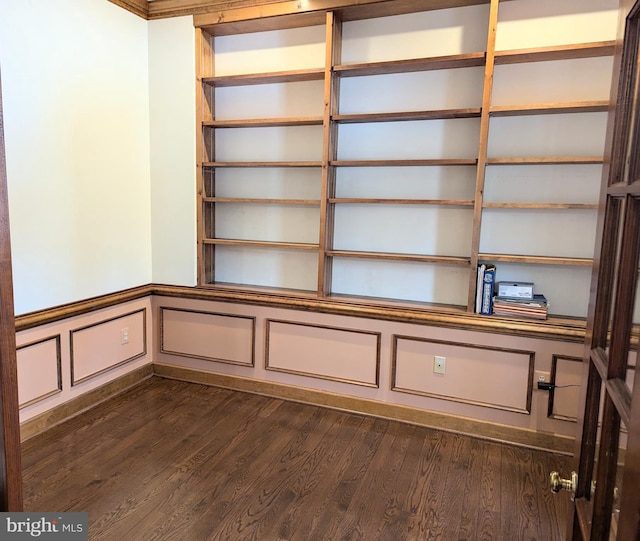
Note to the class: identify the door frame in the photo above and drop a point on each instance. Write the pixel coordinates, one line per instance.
(607, 340)
(10, 459)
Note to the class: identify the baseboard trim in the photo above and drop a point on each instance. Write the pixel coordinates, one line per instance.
(485, 430)
(88, 400)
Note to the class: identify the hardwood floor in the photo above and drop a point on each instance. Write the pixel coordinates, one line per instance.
(169, 460)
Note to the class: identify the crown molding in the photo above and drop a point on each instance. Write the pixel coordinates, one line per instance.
(138, 7)
(162, 9)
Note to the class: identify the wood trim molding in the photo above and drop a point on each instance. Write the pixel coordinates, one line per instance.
(567, 330)
(137, 7)
(90, 399)
(217, 11)
(441, 421)
(564, 329)
(10, 457)
(64, 311)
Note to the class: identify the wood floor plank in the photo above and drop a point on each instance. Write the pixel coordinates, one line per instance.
(455, 484)
(365, 512)
(431, 486)
(397, 512)
(316, 481)
(519, 506)
(329, 522)
(208, 479)
(172, 460)
(490, 512)
(472, 503)
(554, 506)
(269, 493)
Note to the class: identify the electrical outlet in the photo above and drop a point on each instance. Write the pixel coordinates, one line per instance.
(124, 335)
(439, 365)
(542, 377)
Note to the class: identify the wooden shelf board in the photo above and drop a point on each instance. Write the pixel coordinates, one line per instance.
(552, 160)
(293, 76)
(595, 106)
(261, 200)
(220, 165)
(408, 116)
(262, 18)
(539, 260)
(270, 15)
(403, 163)
(559, 52)
(560, 206)
(264, 122)
(451, 260)
(262, 244)
(372, 201)
(410, 65)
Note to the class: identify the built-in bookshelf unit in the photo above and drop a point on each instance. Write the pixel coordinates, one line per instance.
(383, 150)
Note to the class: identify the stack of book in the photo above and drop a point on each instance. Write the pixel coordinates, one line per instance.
(486, 278)
(536, 307)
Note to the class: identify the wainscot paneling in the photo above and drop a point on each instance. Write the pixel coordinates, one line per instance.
(107, 344)
(504, 382)
(210, 336)
(344, 355)
(566, 375)
(39, 370)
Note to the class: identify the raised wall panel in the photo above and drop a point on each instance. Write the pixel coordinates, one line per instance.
(566, 375)
(350, 356)
(413, 360)
(206, 335)
(99, 347)
(39, 370)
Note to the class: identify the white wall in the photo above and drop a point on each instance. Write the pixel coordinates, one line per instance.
(173, 174)
(76, 112)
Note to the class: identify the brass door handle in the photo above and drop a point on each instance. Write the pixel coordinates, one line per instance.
(557, 483)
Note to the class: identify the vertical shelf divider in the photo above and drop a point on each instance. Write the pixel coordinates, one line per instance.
(482, 151)
(205, 148)
(329, 151)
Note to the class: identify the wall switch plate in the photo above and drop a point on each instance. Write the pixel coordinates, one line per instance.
(124, 334)
(439, 364)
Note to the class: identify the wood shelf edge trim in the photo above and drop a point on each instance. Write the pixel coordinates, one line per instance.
(264, 123)
(388, 67)
(540, 260)
(291, 76)
(453, 260)
(407, 116)
(592, 106)
(261, 164)
(550, 160)
(555, 52)
(262, 244)
(442, 421)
